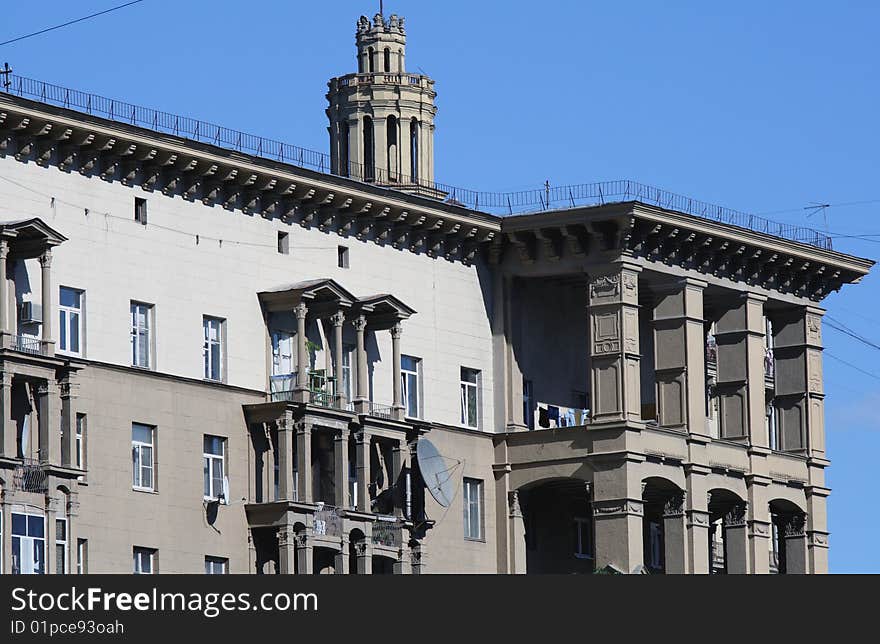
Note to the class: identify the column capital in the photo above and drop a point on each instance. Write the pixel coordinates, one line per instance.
(301, 310)
(4, 248)
(794, 525)
(737, 515)
(359, 322)
(338, 318)
(675, 505)
(396, 331)
(46, 258)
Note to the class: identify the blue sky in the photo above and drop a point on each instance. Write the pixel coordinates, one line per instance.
(763, 107)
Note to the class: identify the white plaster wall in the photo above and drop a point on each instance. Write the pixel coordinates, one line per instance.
(116, 260)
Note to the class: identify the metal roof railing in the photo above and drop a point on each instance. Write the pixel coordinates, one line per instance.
(497, 203)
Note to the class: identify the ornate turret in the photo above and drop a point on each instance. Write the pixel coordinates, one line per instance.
(381, 118)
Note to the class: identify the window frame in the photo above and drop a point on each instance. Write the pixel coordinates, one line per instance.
(31, 539)
(215, 561)
(137, 562)
(140, 210)
(82, 556)
(470, 487)
(464, 387)
(283, 242)
(65, 552)
(582, 525)
(65, 312)
(416, 374)
(208, 468)
(208, 343)
(80, 451)
(137, 474)
(136, 332)
(343, 257)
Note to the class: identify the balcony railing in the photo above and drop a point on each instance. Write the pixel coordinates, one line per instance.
(27, 344)
(30, 476)
(387, 533)
(328, 521)
(381, 411)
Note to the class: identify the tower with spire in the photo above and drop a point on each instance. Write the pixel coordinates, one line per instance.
(382, 118)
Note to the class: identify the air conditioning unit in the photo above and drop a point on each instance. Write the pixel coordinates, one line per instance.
(30, 313)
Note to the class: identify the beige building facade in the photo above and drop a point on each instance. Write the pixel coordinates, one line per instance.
(214, 358)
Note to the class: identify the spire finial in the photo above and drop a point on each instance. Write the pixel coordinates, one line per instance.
(382, 7)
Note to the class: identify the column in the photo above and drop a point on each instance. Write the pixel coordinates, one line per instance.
(736, 541)
(68, 421)
(286, 438)
(72, 532)
(48, 314)
(362, 447)
(402, 564)
(397, 408)
(419, 557)
(286, 550)
(795, 545)
(362, 399)
(614, 344)
(800, 397)
(304, 461)
(680, 354)
(355, 149)
(740, 338)
(301, 391)
(6, 547)
(380, 147)
(304, 557)
(516, 536)
(675, 537)
(698, 521)
(364, 557)
(340, 561)
(50, 443)
(10, 439)
(618, 515)
(817, 530)
(759, 526)
(4, 292)
(340, 468)
(338, 320)
(398, 456)
(52, 511)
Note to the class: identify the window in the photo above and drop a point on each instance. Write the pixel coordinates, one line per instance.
(414, 150)
(28, 544)
(342, 257)
(140, 334)
(213, 348)
(70, 303)
(583, 538)
(410, 375)
(473, 509)
(216, 566)
(369, 151)
(283, 243)
(214, 467)
(144, 560)
(528, 404)
(470, 398)
(61, 546)
(347, 388)
(140, 210)
(80, 447)
(82, 557)
(142, 457)
(387, 59)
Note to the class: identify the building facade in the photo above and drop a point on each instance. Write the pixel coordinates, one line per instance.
(214, 358)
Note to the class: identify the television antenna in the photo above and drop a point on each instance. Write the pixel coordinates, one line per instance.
(815, 208)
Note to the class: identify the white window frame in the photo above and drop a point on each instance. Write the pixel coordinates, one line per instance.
(410, 378)
(138, 469)
(464, 387)
(212, 563)
(208, 461)
(137, 331)
(28, 542)
(139, 555)
(583, 551)
(347, 384)
(62, 542)
(82, 556)
(472, 500)
(80, 443)
(210, 324)
(65, 315)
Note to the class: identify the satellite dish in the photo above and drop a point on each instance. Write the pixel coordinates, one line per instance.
(435, 473)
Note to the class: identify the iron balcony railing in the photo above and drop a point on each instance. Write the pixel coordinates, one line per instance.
(499, 203)
(381, 411)
(27, 344)
(30, 476)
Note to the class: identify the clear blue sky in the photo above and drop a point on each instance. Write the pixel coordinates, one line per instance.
(759, 106)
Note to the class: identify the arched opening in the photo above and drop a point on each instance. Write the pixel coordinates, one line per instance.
(393, 149)
(324, 561)
(344, 149)
(387, 60)
(727, 534)
(559, 535)
(357, 552)
(266, 553)
(369, 151)
(371, 58)
(663, 535)
(788, 547)
(414, 150)
(383, 565)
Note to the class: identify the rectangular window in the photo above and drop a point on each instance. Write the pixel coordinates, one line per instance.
(283, 243)
(80, 447)
(60, 546)
(142, 457)
(347, 381)
(342, 257)
(213, 348)
(528, 404)
(470, 398)
(28, 544)
(473, 509)
(144, 560)
(70, 308)
(140, 210)
(141, 326)
(583, 538)
(216, 566)
(214, 467)
(82, 557)
(410, 375)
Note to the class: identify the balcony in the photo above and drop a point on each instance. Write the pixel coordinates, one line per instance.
(25, 344)
(388, 532)
(30, 476)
